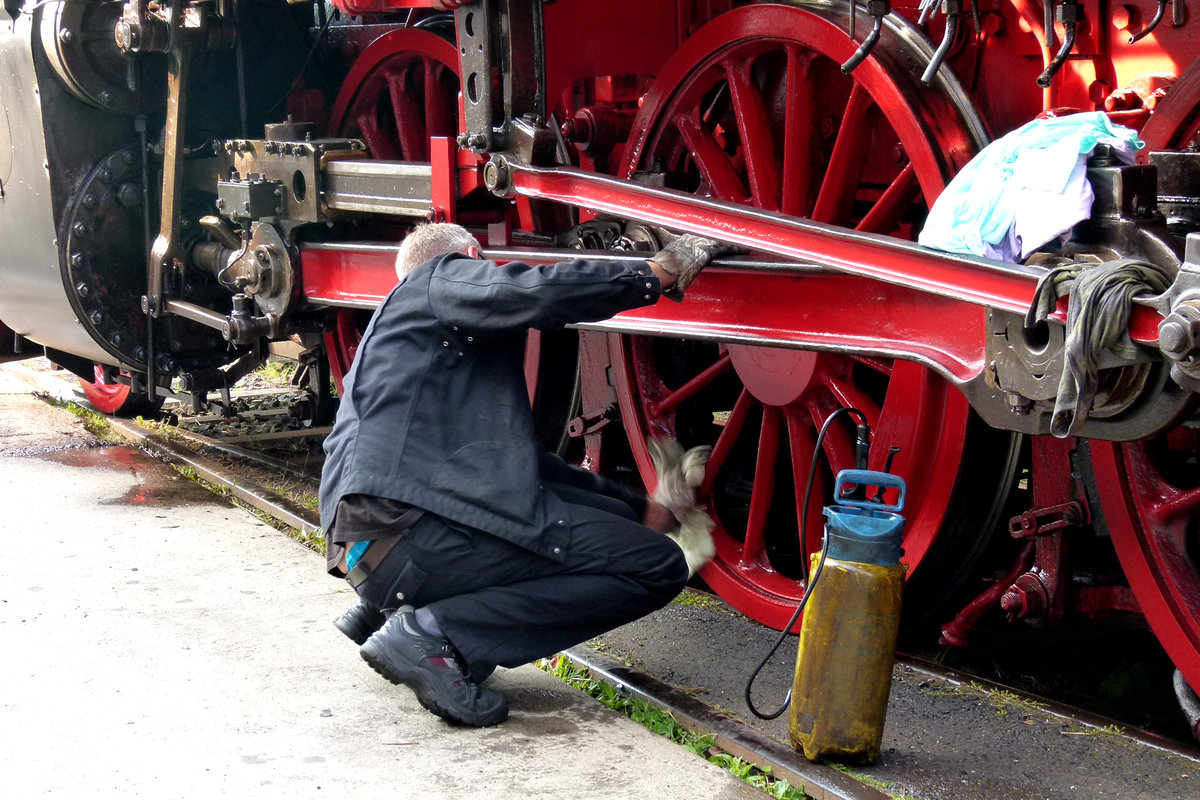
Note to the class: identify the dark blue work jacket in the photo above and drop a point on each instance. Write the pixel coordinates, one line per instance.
(435, 411)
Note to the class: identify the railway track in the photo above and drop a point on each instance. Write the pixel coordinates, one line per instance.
(226, 463)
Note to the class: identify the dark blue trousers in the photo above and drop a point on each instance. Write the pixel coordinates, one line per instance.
(502, 605)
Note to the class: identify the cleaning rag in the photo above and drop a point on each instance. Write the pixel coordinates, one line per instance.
(1024, 189)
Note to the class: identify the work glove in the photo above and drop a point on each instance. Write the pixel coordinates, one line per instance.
(684, 257)
(679, 473)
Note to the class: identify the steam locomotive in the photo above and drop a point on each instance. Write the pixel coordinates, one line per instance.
(184, 182)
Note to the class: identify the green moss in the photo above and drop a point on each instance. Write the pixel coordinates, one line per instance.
(664, 723)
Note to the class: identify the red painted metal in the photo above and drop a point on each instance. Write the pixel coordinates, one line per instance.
(890, 300)
(979, 281)
(765, 405)
(359, 277)
(955, 632)
(401, 91)
(443, 159)
(1149, 501)
(107, 398)
(359, 7)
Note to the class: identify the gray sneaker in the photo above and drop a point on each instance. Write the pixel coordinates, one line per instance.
(403, 653)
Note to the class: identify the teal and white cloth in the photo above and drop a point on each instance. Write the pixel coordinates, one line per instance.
(1024, 189)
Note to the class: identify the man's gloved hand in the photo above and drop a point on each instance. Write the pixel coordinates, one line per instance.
(679, 474)
(684, 257)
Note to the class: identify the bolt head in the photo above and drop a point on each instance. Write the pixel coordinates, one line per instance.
(1173, 338)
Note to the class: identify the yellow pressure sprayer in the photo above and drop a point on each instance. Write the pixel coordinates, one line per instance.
(848, 637)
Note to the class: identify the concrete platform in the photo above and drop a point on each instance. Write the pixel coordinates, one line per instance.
(156, 642)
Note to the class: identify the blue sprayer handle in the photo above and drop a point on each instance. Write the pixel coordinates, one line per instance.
(867, 477)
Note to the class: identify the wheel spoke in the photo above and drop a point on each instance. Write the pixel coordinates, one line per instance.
(378, 142)
(880, 365)
(439, 119)
(715, 167)
(885, 215)
(801, 442)
(689, 389)
(837, 446)
(850, 395)
(840, 184)
(725, 442)
(763, 492)
(410, 123)
(799, 113)
(1177, 505)
(758, 142)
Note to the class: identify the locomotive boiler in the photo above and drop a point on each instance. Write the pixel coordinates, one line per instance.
(183, 182)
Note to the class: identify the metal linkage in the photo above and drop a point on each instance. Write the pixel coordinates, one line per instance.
(503, 68)
(977, 280)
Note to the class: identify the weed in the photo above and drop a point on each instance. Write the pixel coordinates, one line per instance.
(690, 597)
(892, 790)
(95, 423)
(664, 723)
(277, 371)
(1004, 701)
(1105, 730)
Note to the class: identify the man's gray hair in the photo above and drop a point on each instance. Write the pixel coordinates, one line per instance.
(430, 241)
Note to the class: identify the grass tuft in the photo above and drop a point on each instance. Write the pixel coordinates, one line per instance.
(664, 724)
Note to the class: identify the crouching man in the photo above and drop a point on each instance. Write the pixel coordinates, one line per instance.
(435, 500)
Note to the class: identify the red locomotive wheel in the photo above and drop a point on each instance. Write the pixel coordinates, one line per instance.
(402, 90)
(1149, 499)
(754, 109)
(116, 399)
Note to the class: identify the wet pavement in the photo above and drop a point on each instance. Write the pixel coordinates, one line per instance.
(157, 642)
(192, 655)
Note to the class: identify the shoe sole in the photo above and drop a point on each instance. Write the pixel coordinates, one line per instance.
(423, 687)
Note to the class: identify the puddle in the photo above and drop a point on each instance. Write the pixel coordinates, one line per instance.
(156, 484)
